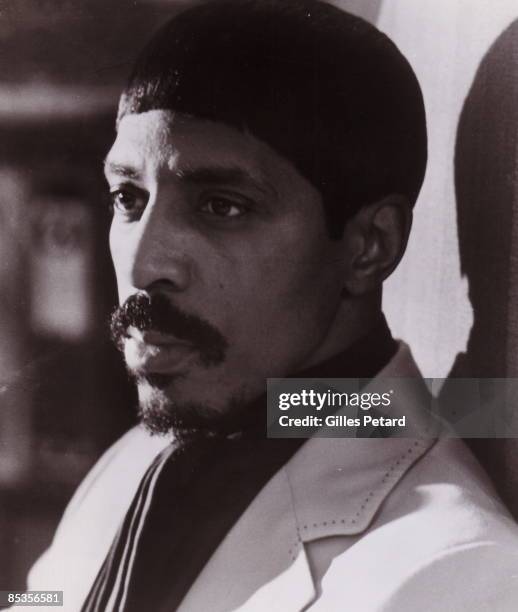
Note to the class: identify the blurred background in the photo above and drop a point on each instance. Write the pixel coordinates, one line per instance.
(64, 395)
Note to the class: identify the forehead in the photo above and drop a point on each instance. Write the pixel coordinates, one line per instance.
(161, 143)
(144, 139)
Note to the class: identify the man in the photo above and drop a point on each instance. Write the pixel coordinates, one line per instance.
(267, 158)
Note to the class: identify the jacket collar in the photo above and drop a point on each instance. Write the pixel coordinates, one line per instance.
(338, 484)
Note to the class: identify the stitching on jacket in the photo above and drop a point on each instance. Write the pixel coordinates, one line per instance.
(298, 542)
(389, 473)
(295, 548)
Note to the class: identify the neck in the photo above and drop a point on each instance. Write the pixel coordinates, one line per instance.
(356, 317)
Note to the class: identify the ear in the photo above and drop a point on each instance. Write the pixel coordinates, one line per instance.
(375, 240)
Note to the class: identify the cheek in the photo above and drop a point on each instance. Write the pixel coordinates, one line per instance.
(308, 271)
(118, 256)
(115, 243)
(283, 290)
(112, 242)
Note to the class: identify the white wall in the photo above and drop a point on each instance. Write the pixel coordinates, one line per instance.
(465, 54)
(426, 299)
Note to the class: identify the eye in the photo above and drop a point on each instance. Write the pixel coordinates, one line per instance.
(128, 201)
(224, 207)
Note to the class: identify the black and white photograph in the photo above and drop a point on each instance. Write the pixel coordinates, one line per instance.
(259, 305)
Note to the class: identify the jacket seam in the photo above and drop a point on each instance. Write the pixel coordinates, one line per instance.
(297, 544)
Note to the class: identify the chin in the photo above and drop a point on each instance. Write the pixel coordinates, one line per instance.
(156, 411)
(164, 412)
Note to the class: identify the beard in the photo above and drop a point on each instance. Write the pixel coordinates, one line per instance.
(158, 410)
(162, 415)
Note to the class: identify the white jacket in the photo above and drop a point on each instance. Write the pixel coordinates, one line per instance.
(347, 524)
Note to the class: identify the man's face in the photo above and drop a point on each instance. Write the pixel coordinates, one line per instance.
(224, 230)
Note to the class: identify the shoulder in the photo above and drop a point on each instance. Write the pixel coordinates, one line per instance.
(94, 514)
(120, 468)
(442, 539)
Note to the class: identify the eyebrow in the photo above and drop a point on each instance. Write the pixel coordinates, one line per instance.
(198, 176)
(222, 176)
(123, 170)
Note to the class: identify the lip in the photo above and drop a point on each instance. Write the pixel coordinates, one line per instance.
(156, 338)
(156, 353)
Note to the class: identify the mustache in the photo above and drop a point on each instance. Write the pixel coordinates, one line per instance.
(156, 313)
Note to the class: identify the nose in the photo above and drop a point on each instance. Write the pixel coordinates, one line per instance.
(151, 250)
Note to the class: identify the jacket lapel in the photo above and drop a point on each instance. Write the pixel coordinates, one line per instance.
(261, 564)
(330, 487)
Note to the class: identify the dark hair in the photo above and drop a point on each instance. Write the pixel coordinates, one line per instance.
(324, 88)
